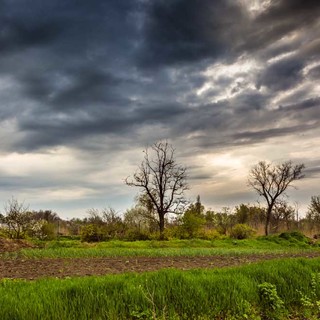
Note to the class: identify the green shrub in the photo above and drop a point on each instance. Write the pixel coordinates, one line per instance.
(92, 233)
(192, 225)
(211, 234)
(3, 233)
(136, 235)
(295, 235)
(311, 301)
(42, 230)
(242, 231)
(272, 306)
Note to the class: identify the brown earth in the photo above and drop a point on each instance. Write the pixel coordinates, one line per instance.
(8, 245)
(61, 268)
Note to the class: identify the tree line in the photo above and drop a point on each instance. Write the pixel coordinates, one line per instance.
(161, 210)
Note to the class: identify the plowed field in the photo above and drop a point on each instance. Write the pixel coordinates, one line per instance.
(68, 267)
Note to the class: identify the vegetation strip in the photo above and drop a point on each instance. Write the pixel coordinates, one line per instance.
(283, 289)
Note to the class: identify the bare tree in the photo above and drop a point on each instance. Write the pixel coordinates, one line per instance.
(271, 182)
(162, 179)
(17, 218)
(282, 213)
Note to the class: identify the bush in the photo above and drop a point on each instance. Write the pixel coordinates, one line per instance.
(3, 233)
(92, 233)
(136, 235)
(42, 230)
(241, 231)
(211, 234)
(295, 236)
(191, 225)
(271, 304)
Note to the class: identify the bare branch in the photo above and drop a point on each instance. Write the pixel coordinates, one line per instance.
(162, 179)
(271, 182)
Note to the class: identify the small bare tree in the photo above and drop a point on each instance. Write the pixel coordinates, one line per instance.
(271, 182)
(162, 180)
(282, 213)
(17, 218)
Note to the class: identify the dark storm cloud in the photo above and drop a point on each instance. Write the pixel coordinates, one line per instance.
(72, 129)
(248, 137)
(180, 31)
(282, 18)
(86, 83)
(313, 103)
(314, 73)
(65, 60)
(71, 24)
(15, 36)
(252, 121)
(281, 75)
(85, 68)
(88, 86)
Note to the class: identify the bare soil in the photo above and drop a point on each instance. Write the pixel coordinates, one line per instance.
(71, 267)
(8, 245)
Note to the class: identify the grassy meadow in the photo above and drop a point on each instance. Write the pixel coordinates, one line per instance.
(152, 248)
(280, 289)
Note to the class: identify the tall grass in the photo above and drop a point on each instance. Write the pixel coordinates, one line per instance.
(168, 294)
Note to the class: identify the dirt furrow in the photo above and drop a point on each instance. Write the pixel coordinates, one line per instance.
(61, 268)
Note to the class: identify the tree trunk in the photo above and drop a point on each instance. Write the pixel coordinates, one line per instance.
(268, 219)
(161, 225)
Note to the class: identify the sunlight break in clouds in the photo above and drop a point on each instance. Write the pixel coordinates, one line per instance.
(234, 78)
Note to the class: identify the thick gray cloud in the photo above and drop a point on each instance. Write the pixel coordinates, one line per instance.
(105, 78)
(188, 31)
(281, 75)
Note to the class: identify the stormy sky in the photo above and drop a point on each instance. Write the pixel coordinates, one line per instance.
(86, 86)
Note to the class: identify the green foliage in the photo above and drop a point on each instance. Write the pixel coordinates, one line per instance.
(192, 224)
(220, 221)
(229, 294)
(3, 233)
(250, 214)
(241, 231)
(314, 209)
(313, 215)
(295, 236)
(135, 234)
(221, 245)
(141, 217)
(288, 239)
(92, 233)
(311, 301)
(42, 230)
(211, 234)
(271, 304)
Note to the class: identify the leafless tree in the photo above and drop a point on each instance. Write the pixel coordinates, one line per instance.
(17, 218)
(162, 179)
(271, 181)
(282, 213)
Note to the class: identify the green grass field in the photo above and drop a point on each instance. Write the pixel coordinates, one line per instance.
(231, 293)
(196, 247)
(271, 290)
